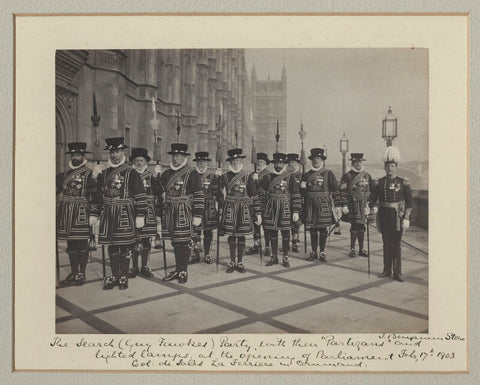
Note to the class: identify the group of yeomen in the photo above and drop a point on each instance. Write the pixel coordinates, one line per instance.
(132, 203)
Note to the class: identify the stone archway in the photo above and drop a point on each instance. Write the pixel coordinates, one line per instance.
(63, 129)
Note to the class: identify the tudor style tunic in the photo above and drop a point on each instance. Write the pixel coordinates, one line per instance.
(283, 199)
(209, 183)
(321, 195)
(123, 198)
(153, 191)
(355, 189)
(184, 199)
(78, 189)
(262, 194)
(240, 200)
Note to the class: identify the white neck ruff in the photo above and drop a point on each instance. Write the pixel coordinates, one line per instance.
(355, 170)
(235, 171)
(279, 172)
(110, 164)
(75, 167)
(140, 170)
(319, 168)
(176, 168)
(201, 172)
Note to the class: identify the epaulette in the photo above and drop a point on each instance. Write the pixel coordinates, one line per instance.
(406, 181)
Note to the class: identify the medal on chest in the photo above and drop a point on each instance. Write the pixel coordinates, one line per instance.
(178, 185)
(282, 186)
(206, 183)
(240, 187)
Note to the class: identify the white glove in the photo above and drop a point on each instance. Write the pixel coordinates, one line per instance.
(158, 169)
(259, 220)
(295, 217)
(197, 221)
(366, 211)
(97, 169)
(345, 210)
(303, 184)
(375, 210)
(255, 176)
(93, 220)
(218, 172)
(139, 222)
(405, 224)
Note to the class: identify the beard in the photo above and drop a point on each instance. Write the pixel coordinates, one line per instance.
(77, 162)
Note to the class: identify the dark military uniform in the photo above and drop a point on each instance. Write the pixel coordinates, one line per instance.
(395, 199)
(240, 201)
(123, 199)
(144, 242)
(209, 183)
(78, 189)
(283, 199)
(296, 225)
(321, 196)
(184, 199)
(355, 189)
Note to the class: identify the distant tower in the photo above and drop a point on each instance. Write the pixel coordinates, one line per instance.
(269, 100)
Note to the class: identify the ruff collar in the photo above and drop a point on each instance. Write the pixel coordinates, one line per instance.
(140, 170)
(110, 164)
(235, 171)
(279, 172)
(178, 167)
(75, 167)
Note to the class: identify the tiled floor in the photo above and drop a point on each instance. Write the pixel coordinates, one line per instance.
(309, 297)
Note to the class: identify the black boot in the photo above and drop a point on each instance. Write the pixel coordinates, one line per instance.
(207, 243)
(82, 260)
(182, 277)
(232, 243)
(387, 263)
(285, 262)
(272, 261)
(110, 282)
(145, 271)
(134, 270)
(240, 248)
(70, 279)
(124, 264)
(397, 263)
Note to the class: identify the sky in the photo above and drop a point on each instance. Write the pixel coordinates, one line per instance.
(336, 91)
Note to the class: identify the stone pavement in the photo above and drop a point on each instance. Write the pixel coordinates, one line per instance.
(309, 297)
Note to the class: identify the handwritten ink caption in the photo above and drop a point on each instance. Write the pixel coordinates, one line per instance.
(271, 353)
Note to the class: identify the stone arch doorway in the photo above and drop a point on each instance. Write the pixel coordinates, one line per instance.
(63, 132)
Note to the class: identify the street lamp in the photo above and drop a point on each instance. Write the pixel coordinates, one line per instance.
(344, 150)
(389, 127)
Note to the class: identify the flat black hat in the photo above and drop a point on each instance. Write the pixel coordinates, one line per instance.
(235, 153)
(356, 156)
(142, 152)
(263, 156)
(77, 148)
(317, 152)
(116, 143)
(279, 157)
(179, 148)
(201, 155)
(293, 157)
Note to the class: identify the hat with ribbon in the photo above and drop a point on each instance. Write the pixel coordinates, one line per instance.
(139, 152)
(179, 148)
(77, 148)
(235, 153)
(356, 156)
(263, 156)
(317, 153)
(293, 157)
(116, 143)
(279, 157)
(201, 155)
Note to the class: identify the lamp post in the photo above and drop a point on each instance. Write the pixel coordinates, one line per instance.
(344, 150)
(389, 127)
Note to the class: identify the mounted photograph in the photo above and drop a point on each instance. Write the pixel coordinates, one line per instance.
(242, 191)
